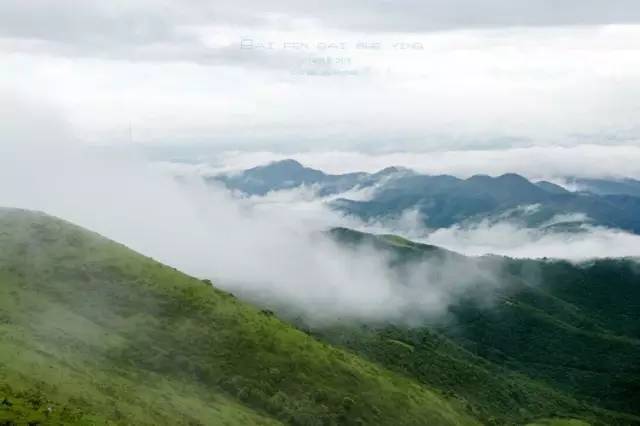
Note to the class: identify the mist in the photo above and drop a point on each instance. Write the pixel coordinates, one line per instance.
(499, 236)
(507, 237)
(277, 256)
(511, 240)
(272, 250)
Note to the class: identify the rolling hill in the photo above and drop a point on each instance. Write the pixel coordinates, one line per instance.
(555, 340)
(93, 333)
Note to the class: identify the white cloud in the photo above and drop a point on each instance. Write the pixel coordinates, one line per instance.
(267, 250)
(511, 240)
(148, 21)
(500, 235)
(180, 74)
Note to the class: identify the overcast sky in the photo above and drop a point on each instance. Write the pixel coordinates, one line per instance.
(419, 74)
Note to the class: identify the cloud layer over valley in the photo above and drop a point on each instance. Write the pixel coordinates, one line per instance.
(500, 237)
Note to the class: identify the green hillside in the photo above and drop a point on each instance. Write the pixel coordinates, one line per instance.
(93, 333)
(558, 340)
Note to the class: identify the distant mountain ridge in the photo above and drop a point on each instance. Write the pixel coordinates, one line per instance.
(288, 174)
(606, 186)
(444, 201)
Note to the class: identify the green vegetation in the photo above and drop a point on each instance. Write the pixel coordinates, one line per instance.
(555, 341)
(572, 327)
(93, 333)
(490, 391)
(558, 422)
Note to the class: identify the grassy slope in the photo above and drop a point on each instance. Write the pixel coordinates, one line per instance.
(558, 422)
(577, 330)
(93, 333)
(536, 353)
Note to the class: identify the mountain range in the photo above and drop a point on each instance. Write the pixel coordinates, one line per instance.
(443, 200)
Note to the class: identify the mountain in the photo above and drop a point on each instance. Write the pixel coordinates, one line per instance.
(555, 339)
(289, 174)
(443, 201)
(607, 186)
(94, 333)
(552, 187)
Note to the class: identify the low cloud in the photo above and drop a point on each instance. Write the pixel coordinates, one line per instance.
(503, 235)
(508, 237)
(499, 235)
(272, 249)
(511, 240)
(263, 250)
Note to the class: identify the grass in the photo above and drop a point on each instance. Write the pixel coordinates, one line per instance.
(559, 422)
(93, 333)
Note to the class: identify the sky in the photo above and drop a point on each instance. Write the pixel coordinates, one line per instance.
(392, 75)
